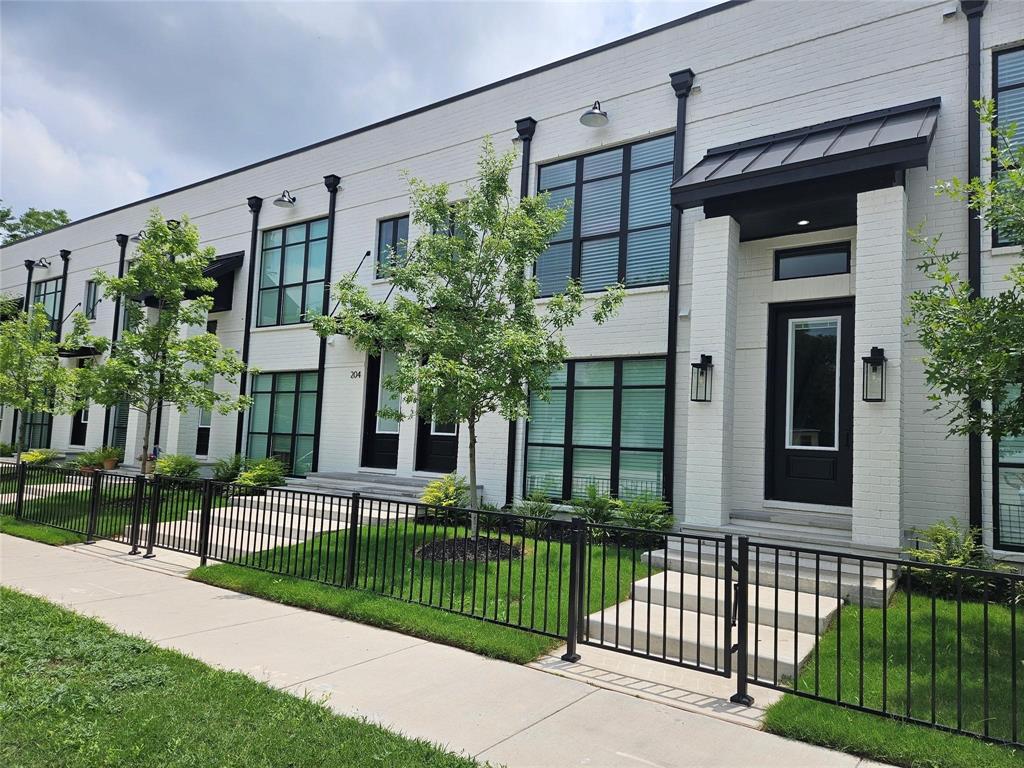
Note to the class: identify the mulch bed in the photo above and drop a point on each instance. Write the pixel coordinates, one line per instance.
(483, 549)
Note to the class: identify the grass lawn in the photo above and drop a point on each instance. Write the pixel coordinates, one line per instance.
(73, 692)
(41, 533)
(906, 744)
(394, 588)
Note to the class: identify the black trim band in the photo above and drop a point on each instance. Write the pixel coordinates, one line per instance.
(333, 183)
(255, 204)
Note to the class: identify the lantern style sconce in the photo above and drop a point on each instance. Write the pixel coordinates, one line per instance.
(700, 380)
(874, 376)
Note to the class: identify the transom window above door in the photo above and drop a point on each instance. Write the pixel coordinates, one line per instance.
(618, 227)
(812, 261)
(292, 275)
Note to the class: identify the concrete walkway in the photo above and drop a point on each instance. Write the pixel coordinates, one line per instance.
(495, 711)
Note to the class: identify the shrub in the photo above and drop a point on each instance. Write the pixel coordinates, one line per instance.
(86, 459)
(645, 513)
(108, 452)
(6, 449)
(947, 543)
(40, 456)
(448, 491)
(227, 470)
(177, 466)
(536, 505)
(597, 508)
(263, 473)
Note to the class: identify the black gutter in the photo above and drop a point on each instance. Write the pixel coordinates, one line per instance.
(30, 266)
(332, 182)
(525, 127)
(682, 83)
(122, 244)
(65, 256)
(428, 107)
(255, 204)
(973, 10)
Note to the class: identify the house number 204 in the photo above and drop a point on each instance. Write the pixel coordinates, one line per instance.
(355, 374)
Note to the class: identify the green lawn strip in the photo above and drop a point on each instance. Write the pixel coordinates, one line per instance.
(484, 638)
(75, 693)
(902, 743)
(44, 534)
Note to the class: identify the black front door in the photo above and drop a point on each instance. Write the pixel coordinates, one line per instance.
(380, 435)
(809, 436)
(437, 446)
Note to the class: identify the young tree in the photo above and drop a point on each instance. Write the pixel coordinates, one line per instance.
(975, 344)
(32, 379)
(31, 222)
(468, 337)
(154, 360)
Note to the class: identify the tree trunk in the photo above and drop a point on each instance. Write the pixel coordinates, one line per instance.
(19, 439)
(474, 501)
(145, 439)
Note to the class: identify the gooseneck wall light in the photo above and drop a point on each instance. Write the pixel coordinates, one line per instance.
(595, 117)
(285, 200)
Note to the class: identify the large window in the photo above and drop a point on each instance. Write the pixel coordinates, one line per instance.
(292, 273)
(48, 293)
(602, 426)
(392, 237)
(618, 227)
(1008, 87)
(1009, 491)
(38, 429)
(92, 298)
(282, 419)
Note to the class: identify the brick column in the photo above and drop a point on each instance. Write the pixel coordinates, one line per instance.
(877, 427)
(708, 457)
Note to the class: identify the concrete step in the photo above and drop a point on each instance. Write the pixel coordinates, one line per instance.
(767, 605)
(365, 483)
(673, 633)
(286, 501)
(803, 573)
(810, 521)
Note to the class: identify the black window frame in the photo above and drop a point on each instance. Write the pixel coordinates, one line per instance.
(811, 250)
(568, 445)
(391, 242)
(271, 433)
(37, 424)
(92, 298)
(41, 290)
(282, 286)
(577, 239)
(203, 430)
(996, 90)
(997, 465)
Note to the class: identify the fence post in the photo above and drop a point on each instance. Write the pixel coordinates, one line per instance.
(205, 519)
(353, 539)
(94, 507)
(154, 516)
(572, 630)
(743, 567)
(730, 619)
(19, 497)
(138, 496)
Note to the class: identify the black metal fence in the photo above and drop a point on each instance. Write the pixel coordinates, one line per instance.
(929, 644)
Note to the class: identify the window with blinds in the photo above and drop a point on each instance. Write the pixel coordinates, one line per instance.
(618, 227)
(282, 419)
(292, 273)
(601, 425)
(1008, 87)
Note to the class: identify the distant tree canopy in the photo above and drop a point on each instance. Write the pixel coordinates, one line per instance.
(31, 222)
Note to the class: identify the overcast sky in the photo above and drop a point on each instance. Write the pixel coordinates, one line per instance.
(108, 102)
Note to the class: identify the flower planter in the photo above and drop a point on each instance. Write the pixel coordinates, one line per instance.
(110, 463)
(87, 470)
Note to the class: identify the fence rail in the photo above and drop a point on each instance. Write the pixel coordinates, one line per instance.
(928, 644)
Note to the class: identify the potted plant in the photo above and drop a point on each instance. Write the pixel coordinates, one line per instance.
(109, 456)
(87, 462)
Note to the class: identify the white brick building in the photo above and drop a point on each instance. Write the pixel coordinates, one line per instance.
(823, 126)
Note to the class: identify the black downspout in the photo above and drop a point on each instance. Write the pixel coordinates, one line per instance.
(65, 256)
(682, 83)
(973, 10)
(255, 204)
(525, 127)
(122, 244)
(30, 266)
(332, 182)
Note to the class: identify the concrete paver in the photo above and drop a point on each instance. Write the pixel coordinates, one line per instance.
(501, 712)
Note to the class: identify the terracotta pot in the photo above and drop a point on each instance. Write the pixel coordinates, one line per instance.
(110, 463)
(148, 467)
(87, 470)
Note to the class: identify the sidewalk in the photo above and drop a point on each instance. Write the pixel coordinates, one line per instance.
(493, 710)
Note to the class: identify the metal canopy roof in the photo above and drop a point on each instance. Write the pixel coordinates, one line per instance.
(222, 269)
(895, 138)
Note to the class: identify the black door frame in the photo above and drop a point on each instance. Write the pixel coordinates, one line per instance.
(835, 305)
(427, 458)
(378, 448)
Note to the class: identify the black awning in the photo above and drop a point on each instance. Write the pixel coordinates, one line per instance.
(78, 352)
(888, 139)
(222, 269)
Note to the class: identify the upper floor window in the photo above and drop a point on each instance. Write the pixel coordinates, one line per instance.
(618, 227)
(48, 293)
(92, 298)
(392, 238)
(812, 261)
(1008, 78)
(292, 273)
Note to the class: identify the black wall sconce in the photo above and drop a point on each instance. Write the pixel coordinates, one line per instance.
(700, 380)
(874, 376)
